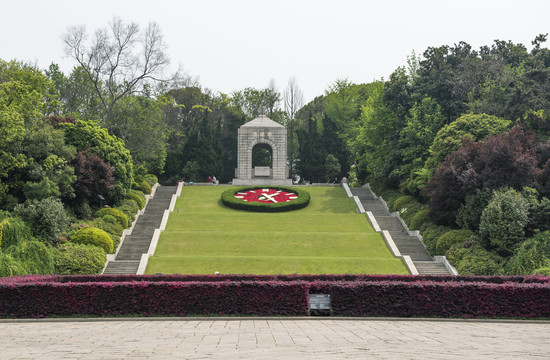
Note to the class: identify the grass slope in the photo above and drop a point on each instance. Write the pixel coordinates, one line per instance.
(326, 237)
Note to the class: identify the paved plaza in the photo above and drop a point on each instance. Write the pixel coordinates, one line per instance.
(273, 338)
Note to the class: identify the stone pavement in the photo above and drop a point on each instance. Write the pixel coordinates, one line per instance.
(273, 338)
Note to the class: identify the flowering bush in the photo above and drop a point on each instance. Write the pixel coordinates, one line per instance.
(351, 295)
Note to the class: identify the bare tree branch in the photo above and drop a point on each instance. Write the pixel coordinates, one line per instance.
(119, 59)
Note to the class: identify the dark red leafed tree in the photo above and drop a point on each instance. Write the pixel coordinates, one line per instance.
(502, 160)
(94, 178)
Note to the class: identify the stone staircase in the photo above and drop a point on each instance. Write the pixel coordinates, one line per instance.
(129, 255)
(407, 244)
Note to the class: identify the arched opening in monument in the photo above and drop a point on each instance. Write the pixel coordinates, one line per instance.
(262, 160)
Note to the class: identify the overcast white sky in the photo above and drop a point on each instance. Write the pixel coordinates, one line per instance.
(229, 45)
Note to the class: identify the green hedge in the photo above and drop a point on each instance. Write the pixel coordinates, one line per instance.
(118, 214)
(94, 236)
(452, 237)
(402, 202)
(80, 259)
(138, 197)
(229, 200)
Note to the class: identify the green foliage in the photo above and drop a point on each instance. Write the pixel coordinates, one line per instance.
(469, 216)
(9, 266)
(419, 219)
(431, 234)
(12, 231)
(503, 220)
(332, 167)
(229, 200)
(190, 171)
(87, 136)
(138, 197)
(35, 256)
(129, 208)
(94, 236)
(150, 179)
(475, 127)
(144, 187)
(480, 262)
(408, 213)
(450, 238)
(47, 218)
(402, 203)
(118, 214)
(533, 253)
(543, 271)
(80, 259)
(105, 223)
(138, 120)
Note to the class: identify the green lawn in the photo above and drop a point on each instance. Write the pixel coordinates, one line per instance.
(326, 237)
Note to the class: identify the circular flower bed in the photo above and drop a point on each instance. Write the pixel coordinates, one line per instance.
(266, 198)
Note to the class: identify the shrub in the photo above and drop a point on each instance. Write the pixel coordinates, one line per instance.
(430, 236)
(116, 241)
(539, 215)
(150, 179)
(110, 227)
(480, 262)
(138, 197)
(410, 212)
(534, 253)
(35, 256)
(109, 219)
(402, 203)
(469, 215)
(503, 220)
(452, 237)
(389, 196)
(80, 259)
(118, 214)
(12, 231)
(144, 187)
(94, 236)
(47, 218)
(9, 266)
(130, 208)
(419, 219)
(456, 253)
(543, 271)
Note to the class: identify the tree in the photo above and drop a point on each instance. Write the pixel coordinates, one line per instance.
(94, 178)
(118, 60)
(503, 221)
(293, 100)
(87, 136)
(503, 160)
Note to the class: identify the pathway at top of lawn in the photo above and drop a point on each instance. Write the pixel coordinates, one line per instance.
(328, 227)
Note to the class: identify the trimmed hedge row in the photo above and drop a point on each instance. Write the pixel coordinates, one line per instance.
(351, 295)
(229, 200)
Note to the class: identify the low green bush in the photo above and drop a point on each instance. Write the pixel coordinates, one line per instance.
(408, 213)
(111, 228)
(402, 203)
(150, 179)
(130, 208)
(12, 231)
(94, 236)
(80, 259)
(389, 196)
(36, 256)
(144, 187)
(532, 254)
(452, 237)
(228, 199)
(118, 214)
(480, 262)
(138, 197)
(456, 253)
(543, 271)
(9, 266)
(116, 241)
(47, 218)
(431, 234)
(109, 219)
(420, 218)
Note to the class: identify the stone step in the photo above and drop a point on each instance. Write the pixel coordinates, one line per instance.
(122, 267)
(431, 268)
(138, 243)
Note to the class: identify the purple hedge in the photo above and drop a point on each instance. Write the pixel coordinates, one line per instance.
(264, 295)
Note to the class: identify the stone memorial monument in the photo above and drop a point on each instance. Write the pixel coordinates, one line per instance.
(261, 134)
